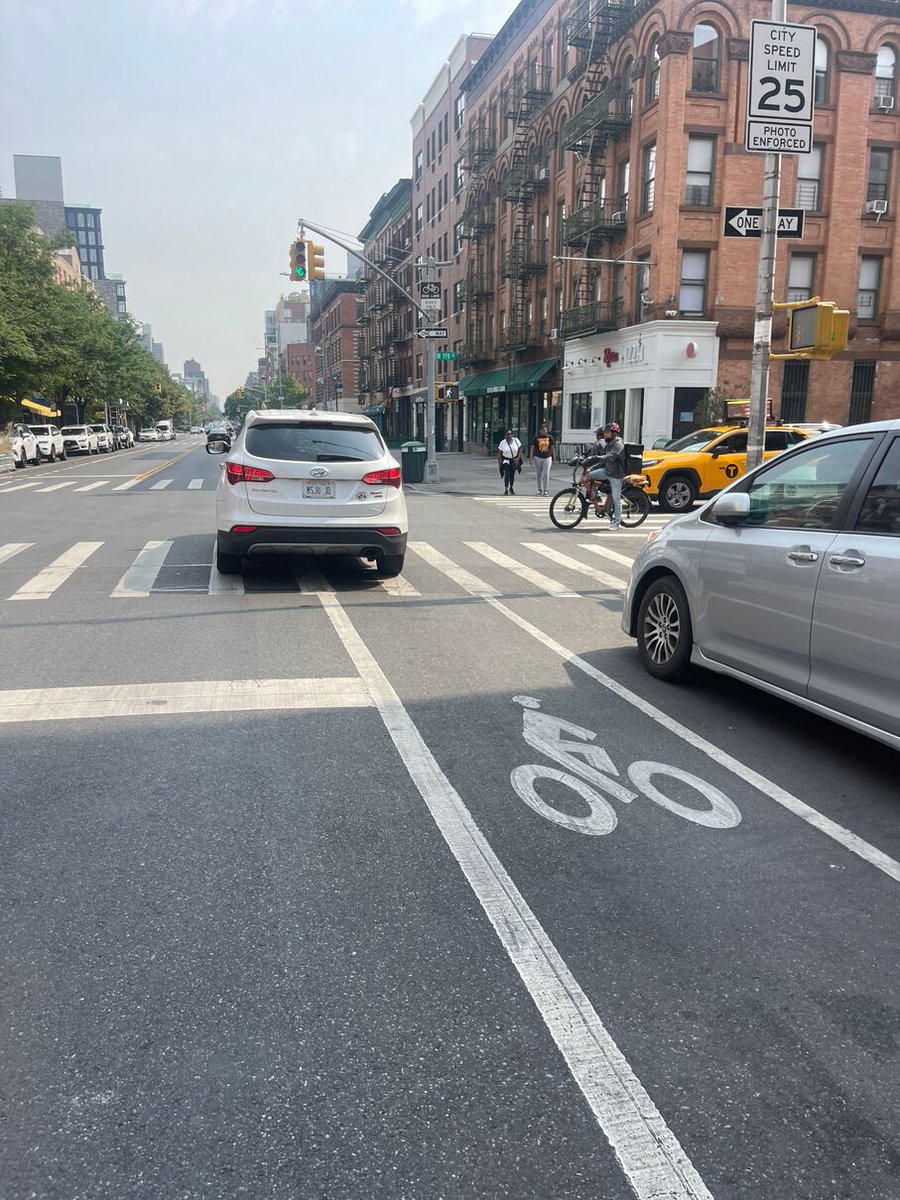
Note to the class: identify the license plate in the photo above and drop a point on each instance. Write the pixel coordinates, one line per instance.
(318, 491)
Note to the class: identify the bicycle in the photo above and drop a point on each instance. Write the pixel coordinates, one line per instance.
(569, 507)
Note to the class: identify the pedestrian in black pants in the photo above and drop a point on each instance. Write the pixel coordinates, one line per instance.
(509, 456)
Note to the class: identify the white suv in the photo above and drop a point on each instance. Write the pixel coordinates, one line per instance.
(50, 442)
(308, 482)
(25, 447)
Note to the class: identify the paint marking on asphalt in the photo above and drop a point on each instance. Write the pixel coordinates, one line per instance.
(164, 466)
(468, 582)
(55, 487)
(164, 699)
(194, 485)
(844, 837)
(604, 551)
(20, 487)
(11, 549)
(223, 585)
(648, 1152)
(163, 483)
(398, 586)
(535, 578)
(139, 578)
(44, 584)
(91, 486)
(572, 564)
(123, 487)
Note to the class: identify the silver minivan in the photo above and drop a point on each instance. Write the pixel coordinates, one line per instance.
(789, 580)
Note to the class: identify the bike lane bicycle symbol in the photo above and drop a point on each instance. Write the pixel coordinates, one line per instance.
(588, 770)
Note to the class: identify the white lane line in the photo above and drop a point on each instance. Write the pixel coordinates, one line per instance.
(535, 578)
(223, 585)
(604, 551)
(163, 483)
(648, 1152)
(164, 699)
(468, 582)
(44, 584)
(138, 579)
(55, 487)
(573, 564)
(91, 486)
(123, 487)
(194, 485)
(20, 487)
(844, 837)
(13, 548)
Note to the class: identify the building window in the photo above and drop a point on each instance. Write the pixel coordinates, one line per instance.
(649, 178)
(459, 111)
(705, 72)
(884, 72)
(624, 184)
(699, 183)
(641, 289)
(867, 296)
(615, 406)
(418, 165)
(877, 186)
(809, 180)
(692, 293)
(459, 176)
(800, 277)
(418, 218)
(821, 85)
(580, 410)
(794, 386)
(653, 71)
(120, 305)
(90, 221)
(458, 237)
(862, 389)
(80, 220)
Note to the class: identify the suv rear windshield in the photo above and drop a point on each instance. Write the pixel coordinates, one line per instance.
(319, 442)
(40, 430)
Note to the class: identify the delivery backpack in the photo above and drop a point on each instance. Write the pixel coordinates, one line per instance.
(634, 458)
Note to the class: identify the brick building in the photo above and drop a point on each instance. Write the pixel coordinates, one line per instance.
(298, 360)
(603, 141)
(334, 314)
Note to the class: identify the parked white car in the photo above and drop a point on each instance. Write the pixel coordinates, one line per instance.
(79, 439)
(106, 439)
(50, 442)
(148, 435)
(25, 448)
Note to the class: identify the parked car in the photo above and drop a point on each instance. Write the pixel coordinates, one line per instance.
(788, 580)
(148, 435)
(106, 439)
(50, 442)
(196, 429)
(303, 482)
(124, 437)
(25, 447)
(80, 439)
(699, 464)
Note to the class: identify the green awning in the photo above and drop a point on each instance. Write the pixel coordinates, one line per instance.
(477, 385)
(525, 378)
(529, 376)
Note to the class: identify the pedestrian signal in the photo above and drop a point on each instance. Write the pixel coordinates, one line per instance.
(446, 391)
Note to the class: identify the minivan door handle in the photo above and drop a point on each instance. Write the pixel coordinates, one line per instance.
(803, 556)
(847, 560)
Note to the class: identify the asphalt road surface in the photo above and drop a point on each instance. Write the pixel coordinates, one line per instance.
(317, 886)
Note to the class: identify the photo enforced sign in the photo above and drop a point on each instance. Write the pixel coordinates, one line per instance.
(780, 96)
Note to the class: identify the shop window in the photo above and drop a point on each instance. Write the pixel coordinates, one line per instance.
(580, 410)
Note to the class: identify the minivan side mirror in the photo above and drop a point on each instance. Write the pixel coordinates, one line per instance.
(731, 509)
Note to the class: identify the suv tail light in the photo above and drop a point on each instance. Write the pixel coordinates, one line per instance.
(238, 473)
(390, 475)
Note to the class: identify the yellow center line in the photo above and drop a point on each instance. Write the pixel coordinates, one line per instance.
(165, 466)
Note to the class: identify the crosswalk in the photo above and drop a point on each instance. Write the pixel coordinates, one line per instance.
(539, 506)
(563, 567)
(48, 484)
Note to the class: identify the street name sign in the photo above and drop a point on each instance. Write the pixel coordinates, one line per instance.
(780, 94)
(429, 289)
(446, 356)
(747, 222)
(440, 334)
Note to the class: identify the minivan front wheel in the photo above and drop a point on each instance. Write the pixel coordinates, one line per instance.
(664, 634)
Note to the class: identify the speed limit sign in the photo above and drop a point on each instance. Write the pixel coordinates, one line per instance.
(780, 93)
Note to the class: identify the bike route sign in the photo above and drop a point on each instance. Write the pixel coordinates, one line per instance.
(780, 95)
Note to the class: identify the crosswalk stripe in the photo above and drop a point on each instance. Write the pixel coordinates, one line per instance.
(535, 578)
(158, 487)
(223, 585)
(467, 581)
(139, 578)
(123, 487)
(625, 559)
(574, 565)
(44, 584)
(20, 487)
(11, 549)
(195, 484)
(55, 487)
(90, 487)
(398, 586)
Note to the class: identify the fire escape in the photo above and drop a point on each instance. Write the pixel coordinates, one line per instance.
(478, 221)
(526, 256)
(597, 218)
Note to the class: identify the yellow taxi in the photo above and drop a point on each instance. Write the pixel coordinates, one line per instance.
(699, 464)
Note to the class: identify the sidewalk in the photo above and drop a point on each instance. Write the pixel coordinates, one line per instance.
(478, 475)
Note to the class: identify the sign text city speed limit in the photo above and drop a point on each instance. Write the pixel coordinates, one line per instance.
(780, 91)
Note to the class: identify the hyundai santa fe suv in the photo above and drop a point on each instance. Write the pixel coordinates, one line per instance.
(307, 482)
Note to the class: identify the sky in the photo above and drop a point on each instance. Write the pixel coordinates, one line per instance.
(205, 129)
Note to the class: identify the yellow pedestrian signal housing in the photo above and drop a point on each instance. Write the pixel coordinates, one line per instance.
(816, 329)
(315, 261)
(446, 391)
(298, 260)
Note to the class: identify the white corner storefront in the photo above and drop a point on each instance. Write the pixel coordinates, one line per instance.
(652, 375)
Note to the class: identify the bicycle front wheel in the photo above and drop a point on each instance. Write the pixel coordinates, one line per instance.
(568, 508)
(635, 507)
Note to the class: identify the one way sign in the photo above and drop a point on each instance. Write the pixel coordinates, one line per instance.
(747, 222)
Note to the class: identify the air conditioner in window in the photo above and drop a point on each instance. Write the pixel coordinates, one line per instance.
(554, 334)
(884, 103)
(543, 175)
(878, 207)
(618, 218)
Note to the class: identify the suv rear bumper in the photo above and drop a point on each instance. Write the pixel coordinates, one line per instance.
(277, 539)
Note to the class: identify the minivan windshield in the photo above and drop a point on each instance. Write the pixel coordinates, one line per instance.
(319, 442)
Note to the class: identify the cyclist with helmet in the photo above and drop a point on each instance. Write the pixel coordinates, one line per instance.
(611, 467)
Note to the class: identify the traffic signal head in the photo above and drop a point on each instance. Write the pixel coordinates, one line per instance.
(818, 330)
(315, 259)
(298, 260)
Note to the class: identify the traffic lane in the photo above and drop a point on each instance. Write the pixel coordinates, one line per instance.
(250, 958)
(746, 971)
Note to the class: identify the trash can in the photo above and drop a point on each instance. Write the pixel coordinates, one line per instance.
(412, 461)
